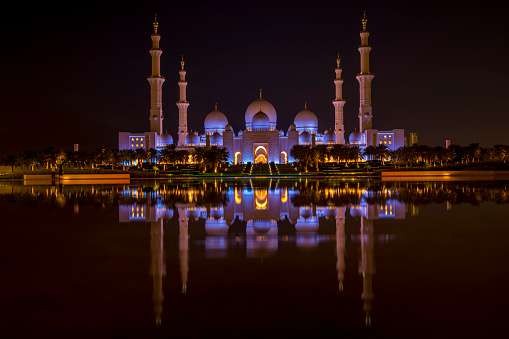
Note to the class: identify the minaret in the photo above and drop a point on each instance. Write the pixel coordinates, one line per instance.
(157, 267)
(339, 103)
(340, 246)
(367, 267)
(365, 78)
(156, 83)
(182, 104)
(183, 247)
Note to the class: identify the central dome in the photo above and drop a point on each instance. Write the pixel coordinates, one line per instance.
(215, 121)
(306, 120)
(260, 121)
(264, 107)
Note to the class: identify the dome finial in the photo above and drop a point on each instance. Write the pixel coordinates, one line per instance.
(216, 106)
(338, 60)
(155, 24)
(260, 94)
(182, 62)
(305, 104)
(364, 22)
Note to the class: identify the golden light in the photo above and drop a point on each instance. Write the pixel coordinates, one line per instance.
(261, 198)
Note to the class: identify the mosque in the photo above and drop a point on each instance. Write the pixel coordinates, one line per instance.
(261, 141)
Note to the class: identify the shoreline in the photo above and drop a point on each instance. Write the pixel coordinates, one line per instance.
(383, 175)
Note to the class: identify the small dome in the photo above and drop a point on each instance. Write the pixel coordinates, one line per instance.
(355, 138)
(328, 136)
(306, 120)
(305, 138)
(262, 226)
(228, 128)
(291, 127)
(264, 106)
(215, 121)
(260, 121)
(216, 226)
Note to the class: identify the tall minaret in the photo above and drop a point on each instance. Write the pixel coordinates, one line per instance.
(156, 83)
(340, 246)
(367, 267)
(365, 78)
(339, 103)
(157, 267)
(183, 247)
(182, 104)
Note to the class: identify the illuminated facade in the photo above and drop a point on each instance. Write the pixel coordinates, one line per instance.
(260, 141)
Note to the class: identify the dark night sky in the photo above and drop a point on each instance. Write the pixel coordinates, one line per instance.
(77, 75)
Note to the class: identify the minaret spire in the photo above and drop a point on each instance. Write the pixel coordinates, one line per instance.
(339, 103)
(156, 82)
(365, 78)
(155, 24)
(182, 104)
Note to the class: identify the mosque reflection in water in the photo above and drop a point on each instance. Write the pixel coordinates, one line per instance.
(263, 213)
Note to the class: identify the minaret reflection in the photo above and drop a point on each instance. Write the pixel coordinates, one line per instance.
(340, 246)
(263, 217)
(157, 267)
(367, 267)
(183, 246)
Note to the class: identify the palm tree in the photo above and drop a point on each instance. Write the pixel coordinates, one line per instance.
(382, 152)
(501, 152)
(212, 157)
(369, 152)
(353, 153)
(317, 155)
(140, 155)
(182, 156)
(302, 154)
(151, 155)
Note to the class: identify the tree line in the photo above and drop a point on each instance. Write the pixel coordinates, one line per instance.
(209, 159)
(214, 159)
(311, 157)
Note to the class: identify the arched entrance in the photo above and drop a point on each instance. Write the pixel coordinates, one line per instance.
(237, 159)
(261, 155)
(283, 159)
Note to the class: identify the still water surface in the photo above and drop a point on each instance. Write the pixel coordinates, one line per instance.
(267, 258)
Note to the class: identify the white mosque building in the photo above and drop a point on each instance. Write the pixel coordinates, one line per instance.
(261, 141)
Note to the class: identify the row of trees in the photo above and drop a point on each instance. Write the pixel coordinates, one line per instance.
(419, 155)
(209, 158)
(214, 159)
(311, 156)
(412, 156)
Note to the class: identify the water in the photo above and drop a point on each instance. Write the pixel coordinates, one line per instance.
(267, 258)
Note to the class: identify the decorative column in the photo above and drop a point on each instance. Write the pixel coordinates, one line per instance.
(339, 103)
(156, 83)
(182, 104)
(365, 78)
